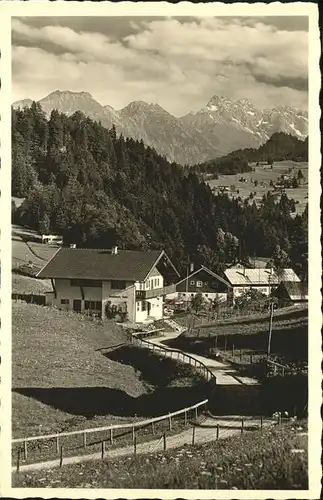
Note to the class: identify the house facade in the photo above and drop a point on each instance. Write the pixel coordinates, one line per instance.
(107, 283)
(262, 280)
(203, 281)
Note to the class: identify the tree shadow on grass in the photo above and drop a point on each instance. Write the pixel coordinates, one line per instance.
(94, 401)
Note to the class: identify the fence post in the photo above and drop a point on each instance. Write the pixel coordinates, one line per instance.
(133, 434)
(164, 439)
(84, 439)
(193, 436)
(217, 431)
(18, 460)
(242, 426)
(57, 445)
(170, 423)
(102, 450)
(185, 418)
(25, 450)
(111, 435)
(196, 413)
(261, 422)
(135, 446)
(61, 457)
(153, 428)
(216, 341)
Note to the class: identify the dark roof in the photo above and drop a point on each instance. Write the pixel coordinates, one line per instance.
(296, 290)
(86, 263)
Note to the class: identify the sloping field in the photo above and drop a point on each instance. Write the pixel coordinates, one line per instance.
(26, 284)
(285, 318)
(264, 174)
(54, 364)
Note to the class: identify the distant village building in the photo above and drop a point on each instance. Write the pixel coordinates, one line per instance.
(224, 188)
(263, 280)
(101, 281)
(203, 281)
(52, 238)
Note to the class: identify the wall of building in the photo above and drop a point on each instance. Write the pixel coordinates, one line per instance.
(207, 296)
(202, 282)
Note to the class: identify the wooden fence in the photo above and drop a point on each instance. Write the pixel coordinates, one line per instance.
(131, 428)
(179, 355)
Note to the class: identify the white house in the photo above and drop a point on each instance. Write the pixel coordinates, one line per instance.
(103, 282)
(263, 280)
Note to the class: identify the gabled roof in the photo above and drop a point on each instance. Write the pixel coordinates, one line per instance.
(101, 264)
(261, 277)
(208, 271)
(296, 290)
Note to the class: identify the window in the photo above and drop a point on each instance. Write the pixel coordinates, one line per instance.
(86, 283)
(192, 282)
(138, 306)
(65, 301)
(118, 285)
(206, 294)
(92, 305)
(199, 283)
(144, 305)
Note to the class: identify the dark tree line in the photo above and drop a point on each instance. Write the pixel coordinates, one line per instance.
(97, 189)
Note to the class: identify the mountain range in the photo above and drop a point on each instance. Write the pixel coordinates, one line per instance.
(222, 126)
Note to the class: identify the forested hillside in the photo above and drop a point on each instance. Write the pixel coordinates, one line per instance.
(279, 147)
(97, 189)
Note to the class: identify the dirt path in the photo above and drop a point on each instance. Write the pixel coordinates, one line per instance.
(204, 432)
(224, 373)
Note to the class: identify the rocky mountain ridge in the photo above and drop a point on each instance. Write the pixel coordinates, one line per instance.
(220, 127)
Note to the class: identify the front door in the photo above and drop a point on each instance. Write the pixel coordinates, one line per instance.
(148, 308)
(77, 305)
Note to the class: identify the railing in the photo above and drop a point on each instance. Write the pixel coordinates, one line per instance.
(179, 355)
(156, 292)
(110, 428)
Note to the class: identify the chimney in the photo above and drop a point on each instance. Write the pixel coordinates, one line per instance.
(72, 245)
(114, 250)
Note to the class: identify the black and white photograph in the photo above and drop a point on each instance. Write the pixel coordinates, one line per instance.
(163, 191)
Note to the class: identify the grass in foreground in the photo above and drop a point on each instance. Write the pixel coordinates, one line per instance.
(273, 459)
(61, 382)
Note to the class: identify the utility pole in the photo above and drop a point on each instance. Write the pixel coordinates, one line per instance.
(270, 327)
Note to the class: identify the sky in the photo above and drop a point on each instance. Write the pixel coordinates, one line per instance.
(178, 63)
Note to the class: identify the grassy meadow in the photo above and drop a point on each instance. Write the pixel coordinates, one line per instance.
(264, 174)
(275, 458)
(72, 372)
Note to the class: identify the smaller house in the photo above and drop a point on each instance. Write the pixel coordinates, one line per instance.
(204, 281)
(295, 292)
(263, 280)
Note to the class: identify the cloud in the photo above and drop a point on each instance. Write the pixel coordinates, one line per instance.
(178, 63)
